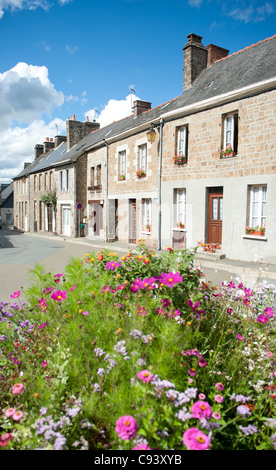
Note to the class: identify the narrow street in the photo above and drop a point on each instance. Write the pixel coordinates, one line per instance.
(20, 252)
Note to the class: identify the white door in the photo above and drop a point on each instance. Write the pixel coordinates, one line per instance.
(66, 221)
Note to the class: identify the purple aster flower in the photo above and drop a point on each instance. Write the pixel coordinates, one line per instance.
(243, 410)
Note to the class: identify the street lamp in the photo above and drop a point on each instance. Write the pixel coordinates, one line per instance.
(151, 134)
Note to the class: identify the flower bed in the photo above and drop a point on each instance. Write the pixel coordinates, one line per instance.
(137, 352)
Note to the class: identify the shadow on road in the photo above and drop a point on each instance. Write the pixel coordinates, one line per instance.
(5, 234)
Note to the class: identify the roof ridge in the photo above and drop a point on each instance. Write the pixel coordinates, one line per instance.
(248, 47)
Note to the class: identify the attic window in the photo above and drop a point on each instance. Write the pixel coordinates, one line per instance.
(209, 85)
(80, 147)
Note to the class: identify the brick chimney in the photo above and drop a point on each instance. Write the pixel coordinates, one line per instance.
(77, 130)
(215, 53)
(38, 150)
(195, 59)
(48, 144)
(59, 139)
(141, 107)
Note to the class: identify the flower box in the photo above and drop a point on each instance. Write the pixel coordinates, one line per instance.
(122, 178)
(256, 231)
(180, 159)
(141, 173)
(227, 152)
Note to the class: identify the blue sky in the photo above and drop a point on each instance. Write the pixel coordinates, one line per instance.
(65, 57)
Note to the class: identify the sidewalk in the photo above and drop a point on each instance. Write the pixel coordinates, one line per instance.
(216, 270)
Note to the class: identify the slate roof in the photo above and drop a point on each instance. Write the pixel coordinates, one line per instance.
(240, 69)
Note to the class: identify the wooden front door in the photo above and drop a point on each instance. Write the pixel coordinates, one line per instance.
(132, 221)
(215, 216)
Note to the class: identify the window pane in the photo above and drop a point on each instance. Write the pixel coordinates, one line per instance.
(214, 208)
(220, 208)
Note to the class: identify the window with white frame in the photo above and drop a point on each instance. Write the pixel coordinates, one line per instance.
(66, 180)
(182, 141)
(142, 157)
(122, 165)
(180, 208)
(258, 196)
(147, 214)
(60, 181)
(230, 133)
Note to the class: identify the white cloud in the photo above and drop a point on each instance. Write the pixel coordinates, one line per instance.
(251, 13)
(71, 50)
(22, 4)
(114, 110)
(25, 94)
(17, 145)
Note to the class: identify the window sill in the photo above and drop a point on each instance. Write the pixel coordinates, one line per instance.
(225, 157)
(256, 237)
(177, 229)
(145, 232)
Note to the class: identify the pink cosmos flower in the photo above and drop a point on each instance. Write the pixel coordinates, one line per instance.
(201, 409)
(268, 312)
(241, 337)
(111, 265)
(192, 372)
(170, 279)
(145, 376)
(219, 386)
(142, 447)
(262, 319)
(219, 398)
(84, 312)
(9, 412)
(5, 439)
(73, 287)
(17, 388)
(136, 285)
(18, 415)
(43, 304)
(59, 295)
(42, 325)
(194, 439)
(216, 415)
(15, 294)
(126, 427)
(44, 364)
(202, 362)
(141, 311)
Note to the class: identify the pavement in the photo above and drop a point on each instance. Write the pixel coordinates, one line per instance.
(18, 255)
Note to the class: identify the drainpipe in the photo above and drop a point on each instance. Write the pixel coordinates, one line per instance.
(75, 199)
(159, 183)
(106, 196)
(29, 219)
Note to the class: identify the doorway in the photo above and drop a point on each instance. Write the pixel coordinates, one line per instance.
(215, 215)
(66, 220)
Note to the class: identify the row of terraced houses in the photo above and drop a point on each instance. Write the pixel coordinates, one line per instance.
(199, 168)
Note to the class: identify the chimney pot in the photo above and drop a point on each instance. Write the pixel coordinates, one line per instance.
(73, 117)
(141, 107)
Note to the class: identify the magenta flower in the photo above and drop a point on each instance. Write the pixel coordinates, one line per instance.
(137, 285)
(195, 308)
(5, 439)
(202, 362)
(17, 388)
(201, 409)
(43, 304)
(44, 364)
(15, 294)
(148, 283)
(42, 325)
(170, 279)
(59, 295)
(268, 312)
(216, 415)
(194, 439)
(141, 447)
(145, 376)
(111, 265)
(192, 372)
(262, 319)
(241, 337)
(141, 311)
(9, 412)
(126, 427)
(73, 287)
(219, 386)
(219, 398)
(18, 415)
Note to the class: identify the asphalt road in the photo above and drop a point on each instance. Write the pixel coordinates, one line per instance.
(20, 252)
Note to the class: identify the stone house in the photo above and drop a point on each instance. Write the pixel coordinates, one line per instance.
(197, 169)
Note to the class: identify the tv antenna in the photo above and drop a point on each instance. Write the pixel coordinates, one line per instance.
(132, 91)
